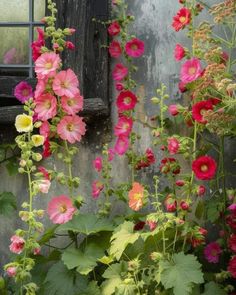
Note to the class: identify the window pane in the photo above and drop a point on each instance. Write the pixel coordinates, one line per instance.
(39, 9)
(14, 10)
(15, 48)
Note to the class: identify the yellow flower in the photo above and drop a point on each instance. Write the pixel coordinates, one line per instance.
(24, 123)
(37, 139)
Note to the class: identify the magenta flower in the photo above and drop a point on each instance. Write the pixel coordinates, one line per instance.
(17, 244)
(97, 164)
(66, 83)
(44, 129)
(179, 52)
(212, 252)
(121, 145)
(115, 49)
(72, 105)
(37, 44)
(71, 128)
(126, 101)
(114, 29)
(124, 126)
(173, 145)
(46, 106)
(47, 64)
(190, 71)
(11, 271)
(97, 187)
(23, 91)
(134, 48)
(60, 209)
(173, 110)
(119, 72)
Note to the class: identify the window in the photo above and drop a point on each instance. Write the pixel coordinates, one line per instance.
(18, 22)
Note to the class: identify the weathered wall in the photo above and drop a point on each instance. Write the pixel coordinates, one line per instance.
(153, 25)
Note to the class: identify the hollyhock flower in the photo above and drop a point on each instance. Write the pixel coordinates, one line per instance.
(24, 123)
(149, 158)
(47, 64)
(37, 44)
(23, 91)
(173, 145)
(204, 167)
(37, 251)
(180, 182)
(114, 29)
(60, 209)
(70, 45)
(46, 149)
(199, 237)
(44, 171)
(199, 108)
(126, 101)
(71, 128)
(72, 105)
(66, 83)
(232, 208)
(46, 106)
(231, 220)
(173, 110)
(44, 129)
(170, 204)
(40, 87)
(9, 56)
(169, 165)
(212, 252)
(97, 187)
(97, 164)
(17, 244)
(182, 19)
(232, 267)
(136, 195)
(119, 72)
(121, 145)
(152, 225)
(179, 52)
(134, 48)
(119, 86)
(11, 271)
(184, 205)
(232, 242)
(111, 154)
(115, 49)
(124, 126)
(37, 140)
(139, 225)
(182, 87)
(191, 70)
(201, 190)
(44, 185)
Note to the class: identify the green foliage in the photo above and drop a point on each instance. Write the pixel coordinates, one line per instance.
(7, 203)
(213, 289)
(181, 273)
(87, 224)
(121, 238)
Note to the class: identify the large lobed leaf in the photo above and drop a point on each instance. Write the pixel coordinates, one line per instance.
(7, 203)
(181, 273)
(213, 289)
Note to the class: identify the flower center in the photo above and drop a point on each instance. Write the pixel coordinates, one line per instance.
(62, 208)
(204, 168)
(25, 122)
(192, 71)
(48, 65)
(47, 104)
(70, 102)
(214, 253)
(127, 100)
(125, 126)
(70, 127)
(65, 84)
(137, 196)
(134, 47)
(25, 92)
(182, 19)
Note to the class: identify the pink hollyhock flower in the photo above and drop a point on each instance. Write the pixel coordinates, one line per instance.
(97, 164)
(44, 129)
(134, 47)
(114, 29)
(97, 187)
(182, 19)
(111, 154)
(46, 106)
(9, 56)
(23, 91)
(232, 242)
(115, 49)
(47, 64)
(121, 145)
(173, 145)
(173, 110)
(180, 182)
(37, 251)
(44, 171)
(46, 149)
(119, 72)
(179, 52)
(70, 45)
(191, 70)
(60, 209)
(37, 44)
(11, 271)
(119, 86)
(71, 128)
(44, 185)
(184, 205)
(72, 105)
(199, 108)
(136, 195)
(40, 87)
(66, 83)
(212, 252)
(124, 126)
(152, 225)
(55, 46)
(17, 244)
(201, 190)
(232, 208)
(182, 87)
(126, 101)
(232, 267)
(204, 167)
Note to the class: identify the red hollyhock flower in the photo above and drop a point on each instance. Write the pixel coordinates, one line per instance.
(119, 72)
(134, 48)
(170, 204)
(199, 108)
(46, 149)
(139, 225)
(126, 101)
(173, 110)
(231, 220)
(182, 19)
(201, 190)
(115, 49)
(204, 167)
(114, 29)
(180, 182)
(179, 52)
(232, 242)
(199, 237)
(170, 165)
(184, 205)
(37, 44)
(232, 267)
(149, 158)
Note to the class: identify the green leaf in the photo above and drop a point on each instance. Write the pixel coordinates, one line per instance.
(87, 224)
(48, 235)
(12, 167)
(181, 273)
(7, 203)
(92, 289)
(60, 280)
(199, 211)
(121, 238)
(126, 289)
(85, 260)
(213, 289)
